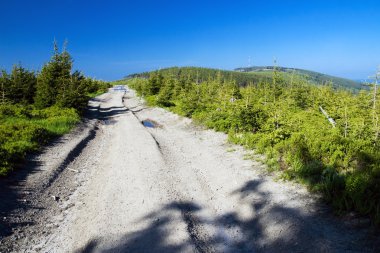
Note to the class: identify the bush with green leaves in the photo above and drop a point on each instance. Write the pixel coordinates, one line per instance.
(282, 119)
(37, 107)
(24, 130)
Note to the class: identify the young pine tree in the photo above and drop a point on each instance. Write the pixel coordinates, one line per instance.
(54, 79)
(4, 86)
(166, 92)
(23, 85)
(74, 95)
(154, 84)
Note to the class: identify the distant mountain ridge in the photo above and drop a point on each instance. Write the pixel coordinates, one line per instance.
(245, 76)
(315, 77)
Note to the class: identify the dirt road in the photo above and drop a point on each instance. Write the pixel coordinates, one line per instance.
(169, 188)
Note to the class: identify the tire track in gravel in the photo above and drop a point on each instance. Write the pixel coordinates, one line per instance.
(198, 237)
(44, 175)
(242, 209)
(173, 188)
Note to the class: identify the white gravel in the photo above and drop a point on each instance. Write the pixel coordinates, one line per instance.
(180, 188)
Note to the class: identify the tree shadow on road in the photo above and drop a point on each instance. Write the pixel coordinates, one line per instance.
(105, 112)
(151, 239)
(271, 227)
(17, 197)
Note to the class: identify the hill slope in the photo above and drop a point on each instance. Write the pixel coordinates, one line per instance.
(245, 76)
(200, 74)
(312, 76)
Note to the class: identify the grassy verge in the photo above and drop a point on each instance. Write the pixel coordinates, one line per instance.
(24, 129)
(283, 121)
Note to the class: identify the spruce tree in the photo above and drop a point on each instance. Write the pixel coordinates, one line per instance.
(22, 86)
(74, 95)
(166, 92)
(155, 82)
(54, 80)
(4, 86)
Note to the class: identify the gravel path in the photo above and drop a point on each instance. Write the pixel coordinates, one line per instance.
(170, 188)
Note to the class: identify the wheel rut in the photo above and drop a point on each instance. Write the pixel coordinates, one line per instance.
(171, 188)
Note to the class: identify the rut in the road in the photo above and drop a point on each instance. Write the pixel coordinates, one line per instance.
(255, 214)
(179, 188)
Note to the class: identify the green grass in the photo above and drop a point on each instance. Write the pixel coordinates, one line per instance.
(26, 130)
(282, 120)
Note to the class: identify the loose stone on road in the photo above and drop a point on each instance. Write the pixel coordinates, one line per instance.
(151, 181)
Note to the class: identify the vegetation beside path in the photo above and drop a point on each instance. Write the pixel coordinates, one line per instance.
(36, 107)
(336, 153)
(255, 75)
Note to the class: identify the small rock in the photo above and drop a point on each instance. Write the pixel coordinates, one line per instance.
(56, 198)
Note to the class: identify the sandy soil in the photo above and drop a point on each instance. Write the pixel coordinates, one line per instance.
(172, 188)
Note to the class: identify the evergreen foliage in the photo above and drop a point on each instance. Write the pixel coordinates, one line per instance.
(311, 76)
(18, 87)
(255, 75)
(35, 108)
(282, 119)
(54, 79)
(5, 83)
(22, 86)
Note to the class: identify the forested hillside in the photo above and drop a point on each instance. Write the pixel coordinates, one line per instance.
(312, 76)
(255, 75)
(337, 155)
(197, 74)
(34, 107)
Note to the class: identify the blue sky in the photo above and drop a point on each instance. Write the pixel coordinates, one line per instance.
(110, 39)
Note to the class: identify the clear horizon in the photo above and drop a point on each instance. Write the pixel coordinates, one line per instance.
(109, 40)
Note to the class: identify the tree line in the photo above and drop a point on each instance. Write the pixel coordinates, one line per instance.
(198, 74)
(38, 106)
(55, 84)
(254, 75)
